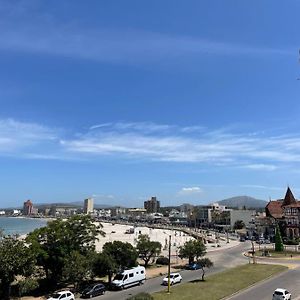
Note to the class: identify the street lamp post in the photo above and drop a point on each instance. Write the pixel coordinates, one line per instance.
(169, 266)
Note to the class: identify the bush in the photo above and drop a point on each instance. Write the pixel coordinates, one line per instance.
(141, 296)
(291, 242)
(27, 285)
(162, 260)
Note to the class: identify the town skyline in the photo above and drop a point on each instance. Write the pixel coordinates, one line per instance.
(191, 103)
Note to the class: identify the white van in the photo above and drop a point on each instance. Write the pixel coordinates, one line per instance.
(129, 277)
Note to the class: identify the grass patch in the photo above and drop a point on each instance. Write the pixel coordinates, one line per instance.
(223, 284)
(278, 254)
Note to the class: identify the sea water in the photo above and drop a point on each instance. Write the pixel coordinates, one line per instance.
(20, 226)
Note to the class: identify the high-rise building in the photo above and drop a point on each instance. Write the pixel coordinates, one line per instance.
(27, 208)
(152, 205)
(88, 206)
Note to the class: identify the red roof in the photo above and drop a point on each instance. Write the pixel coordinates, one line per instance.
(274, 209)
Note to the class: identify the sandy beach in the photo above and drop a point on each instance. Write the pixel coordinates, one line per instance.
(117, 233)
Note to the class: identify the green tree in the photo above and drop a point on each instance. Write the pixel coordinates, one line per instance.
(147, 249)
(204, 263)
(54, 243)
(278, 240)
(141, 296)
(192, 249)
(239, 224)
(103, 264)
(77, 268)
(124, 255)
(16, 259)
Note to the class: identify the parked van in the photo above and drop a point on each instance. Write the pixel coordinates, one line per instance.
(129, 277)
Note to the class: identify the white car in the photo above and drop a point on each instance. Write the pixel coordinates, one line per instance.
(174, 278)
(281, 294)
(63, 295)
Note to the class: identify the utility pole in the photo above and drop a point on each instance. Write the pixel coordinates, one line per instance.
(169, 266)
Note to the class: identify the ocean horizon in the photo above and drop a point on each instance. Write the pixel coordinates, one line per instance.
(20, 226)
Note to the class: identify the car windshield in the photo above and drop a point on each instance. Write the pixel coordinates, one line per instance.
(278, 293)
(55, 296)
(119, 277)
(88, 288)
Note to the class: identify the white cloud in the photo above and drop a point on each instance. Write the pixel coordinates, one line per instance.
(16, 135)
(260, 167)
(152, 142)
(190, 190)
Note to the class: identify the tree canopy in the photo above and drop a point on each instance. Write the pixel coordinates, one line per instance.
(15, 259)
(192, 249)
(54, 243)
(239, 224)
(124, 255)
(204, 263)
(147, 249)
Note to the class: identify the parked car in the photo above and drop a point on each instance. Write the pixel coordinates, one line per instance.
(174, 278)
(93, 290)
(281, 294)
(63, 295)
(130, 277)
(242, 239)
(192, 266)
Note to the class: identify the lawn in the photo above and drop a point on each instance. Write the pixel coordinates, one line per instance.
(278, 254)
(223, 284)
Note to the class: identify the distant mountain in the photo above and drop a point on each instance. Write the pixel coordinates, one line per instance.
(241, 201)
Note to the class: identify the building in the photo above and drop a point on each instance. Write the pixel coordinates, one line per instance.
(152, 205)
(27, 208)
(88, 206)
(245, 215)
(118, 211)
(286, 213)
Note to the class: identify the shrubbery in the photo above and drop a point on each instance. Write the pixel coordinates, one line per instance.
(162, 260)
(141, 296)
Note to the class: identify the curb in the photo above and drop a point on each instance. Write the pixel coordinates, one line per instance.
(254, 284)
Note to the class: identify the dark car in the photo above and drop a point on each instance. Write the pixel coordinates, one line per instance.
(192, 266)
(93, 290)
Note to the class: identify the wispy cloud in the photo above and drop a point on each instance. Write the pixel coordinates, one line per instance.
(16, 135)
(152, 142)
(38, 33)
(190, 190)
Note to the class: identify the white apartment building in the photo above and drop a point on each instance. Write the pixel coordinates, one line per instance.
(88, 206)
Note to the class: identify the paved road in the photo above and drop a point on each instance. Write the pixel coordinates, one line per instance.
(223, 259)
(289, 280)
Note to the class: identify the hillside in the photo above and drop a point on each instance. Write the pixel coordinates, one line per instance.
(240, 201)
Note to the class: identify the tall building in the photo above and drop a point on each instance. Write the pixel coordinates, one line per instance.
(152, 205)
(88, 206)
(27, 208)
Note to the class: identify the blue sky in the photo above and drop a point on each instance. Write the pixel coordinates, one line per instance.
(189, 101)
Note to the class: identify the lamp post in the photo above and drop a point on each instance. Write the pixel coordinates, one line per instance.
(169, 266)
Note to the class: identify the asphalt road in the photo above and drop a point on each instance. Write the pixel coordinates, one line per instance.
(222, 258)
(289, 280)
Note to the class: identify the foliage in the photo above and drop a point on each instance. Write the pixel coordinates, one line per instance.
(204, 263)
(141, 296)
(239, 224)
(278, 240)
(27, 285)
(15, 259)
(54, 243)
(192, 249)
(103, 264)
(77, 268)
(162, 260)
(291, 242)
(123, 255)
(147, 249)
